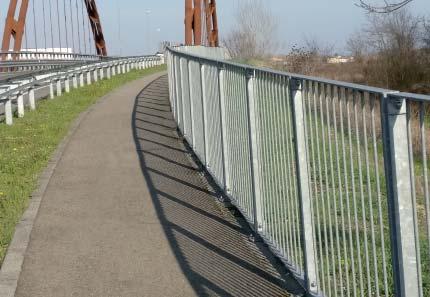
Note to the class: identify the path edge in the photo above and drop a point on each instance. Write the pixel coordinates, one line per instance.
(11, 268)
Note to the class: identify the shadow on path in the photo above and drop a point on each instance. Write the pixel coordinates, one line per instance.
(210, 244)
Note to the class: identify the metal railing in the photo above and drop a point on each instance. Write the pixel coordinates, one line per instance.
(333, 176)
(18, 92)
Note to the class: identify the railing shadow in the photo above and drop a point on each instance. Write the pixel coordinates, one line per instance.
(209, 243)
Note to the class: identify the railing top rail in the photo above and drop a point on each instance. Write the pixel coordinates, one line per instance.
(411, 96)
(341, 84)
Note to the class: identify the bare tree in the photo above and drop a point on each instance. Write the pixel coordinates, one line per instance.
(255, 33)
(393, 41)
(426, 34)
(358, 46)
(387, 7)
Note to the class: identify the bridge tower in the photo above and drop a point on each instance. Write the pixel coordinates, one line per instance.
(14, 28)
(201, 23)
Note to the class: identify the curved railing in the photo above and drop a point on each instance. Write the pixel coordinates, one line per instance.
(12, 94)
(333, 176)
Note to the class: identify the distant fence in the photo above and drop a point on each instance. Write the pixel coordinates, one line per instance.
(333, 176)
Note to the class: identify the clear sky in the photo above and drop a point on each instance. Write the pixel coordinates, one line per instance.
(329, 21)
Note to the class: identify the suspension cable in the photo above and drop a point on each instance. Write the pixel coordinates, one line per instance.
(59, 27)
(90, 44)
(34, 28)
(83, 28)
(25, 36)
(44, 24)
(72, 25)
(50, 21)
(65, 26)
(78, 25)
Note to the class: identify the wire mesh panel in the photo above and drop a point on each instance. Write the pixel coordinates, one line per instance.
(279, 199)
(237, 140)
(212, 113)
(348, 189)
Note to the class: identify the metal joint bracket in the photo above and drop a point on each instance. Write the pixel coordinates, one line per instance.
(395, 105)
(250, 73)
(296, 84)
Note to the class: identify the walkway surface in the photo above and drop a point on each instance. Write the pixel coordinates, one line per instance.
(127, 213)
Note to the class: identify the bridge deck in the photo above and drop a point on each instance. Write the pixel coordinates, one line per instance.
(126, 213)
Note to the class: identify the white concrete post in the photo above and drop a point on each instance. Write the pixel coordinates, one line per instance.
(102, 73)
(51, 90)
(88, 77)
(31, 99)
(81, 79)
(67, 84)
(75, 81)
(20, 103)
(108, 73)
(59, 87)
(95, 75)
(8, 112)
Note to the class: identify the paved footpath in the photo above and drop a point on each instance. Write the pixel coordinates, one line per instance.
(126, 213)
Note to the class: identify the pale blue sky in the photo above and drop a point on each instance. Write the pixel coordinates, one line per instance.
(329, 21)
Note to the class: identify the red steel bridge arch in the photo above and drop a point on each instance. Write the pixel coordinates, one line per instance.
(200, 21)
(14, 28)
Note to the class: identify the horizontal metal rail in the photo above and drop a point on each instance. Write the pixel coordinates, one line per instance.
(42, 55)
(332, 175)
(58, 80)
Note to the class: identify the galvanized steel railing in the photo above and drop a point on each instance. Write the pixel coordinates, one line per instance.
(333, 176)
(15, 93)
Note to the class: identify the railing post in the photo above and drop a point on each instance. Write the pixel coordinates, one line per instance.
(303, 184)
(224, 129)
(191, 94)
(88, 77)
(202, 87)
(102, 74)
(178, 78)
(31, 98)
(20, 104)
(75, 81)
(253, 132)
(204, 107)
(400, 199)
(95, 75)
(8, 111)
(67, 84)
(51, 89)
(59, 87)
(108, 72)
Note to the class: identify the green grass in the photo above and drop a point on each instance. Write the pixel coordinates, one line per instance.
(337, 204)
(27, 146)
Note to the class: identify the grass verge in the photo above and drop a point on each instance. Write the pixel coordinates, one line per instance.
(27, 146)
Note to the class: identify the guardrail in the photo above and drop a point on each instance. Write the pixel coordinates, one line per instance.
(43, 55)
(333, 176)
(65, 79)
